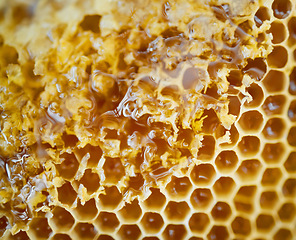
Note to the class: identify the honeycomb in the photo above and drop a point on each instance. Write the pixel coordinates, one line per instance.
(139, 119)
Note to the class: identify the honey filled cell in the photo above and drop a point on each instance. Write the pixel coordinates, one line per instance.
(147, 119)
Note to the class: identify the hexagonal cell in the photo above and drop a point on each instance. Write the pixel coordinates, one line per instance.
(261, 15)
(290, 163)
(61, 236)
(201, 198)
(176, 211)
(62, 219)
(278, 31)
(21, 235)
(131, 212)
(292, 85)
(234, 105)
(156, 200)
(113, 170)
(85, 231)
(268, 199)
(86, 212)
(271, 176)
(292, 111)
(251, 121)
(287, 212)
(283, 234)
(218, 233)
(256, 68)
(281, 8)
(278, 57)
(69, 166)
(111, 198)
(273, 152)
(39, 228)
(246, 193)
(199, 222)
(249, 145)
(241, 226)
(178, 188)
(249, 169)
(221, 211)
(203, 174)
(264, 222)
(90, 180)
(211, 123)
(226, 161)
(129, 232)
(274, 128)
(136, 183)
(208, 147)
(105, 237)
(94, 152)
(152, 222)
(3, 224)
(66, 194)
(292, 137)
(224, 186)
(289, 187)
(174, 232)
(107, 221)
(257, 96)
(235, 78)
(274, 81)
(274, 105)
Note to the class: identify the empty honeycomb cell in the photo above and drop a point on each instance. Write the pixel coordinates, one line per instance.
(273, 152)
(39, 228)
(241, 226)
(90, 180)
(226, 161)
(251, 121)
(255, 68)
(199, 222)
(290, 163)
(289, 187)
(21, 235)
(69, 140)
(113, 170)
(203, 174)
(174, 232)
(131, 212)
(246, 192)
(268, 199)
(281, 8)
(86, 211)
(249, 169)
(61, 236)
(278, 57)
(69, 166)
(249, 145)
(261, 15)
(152, 222)
(3, 225)
(274, 105)
(257, 95)
(243, 200)
(292, 30)
(201, 198)
(176, 211)
(287, 212)
(218, 233)
(243, 207)
(129, 232)
(224, 186)
(207, 149)
(283, 234)
(292, 77)
(111, 198)
(274, 128)
(105, 237)
(179, 188)
(156, 200)
(274, 81)
(292, 137)
(271, 176)
(221, 211)
(211, 123)
(85, 231)
(234, 105)
(292, 111)
(62, 219)
(94, 153)
(107, 221)
(235, 78)
(264, 222)
(278, 31)
(66, 194)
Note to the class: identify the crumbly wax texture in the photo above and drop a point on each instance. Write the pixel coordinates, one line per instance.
(148, 119)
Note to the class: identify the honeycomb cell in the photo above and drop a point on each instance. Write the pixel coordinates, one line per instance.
(201, 198)
(235, 78)
(278, 57)
(249, 169)
(129, 232)
(257, 96)
(91, 181)
(113, 170)
(221, 211)
(241, 226)
(62, 219)
(176, 211)
(243, 199)
(292, 137)
(261, 15)
(274, 81)
(224, 186)
(61, 236)
(91, 23)
(131, 212)
(203, 174)
(218, 233)
(274, 105)
(264, 222)
(21, 235)
(234, 105)
(287, 212)
(281, 8)
(87, 211)
(69, 166)
(199, 222)
(251, 121)
(105, 237)
(292, 77)
(111, 198)
(273, 152)
(211, 123)
(39, 228)
(66, 194)
(207, 149)
(249, 145)
(271, 176)
(289, 187)
(85, 231)
(255, 68)
(292, 31)
(274, 128)
(292, 111)
(107, 221)
(3, 225)
(178, 188)
(94, 152)
(156, 200)
(290, 163)
(174, 232)
(278, 31)
(268, 199)
(226, 161)
(152, 222)
(283, 234)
